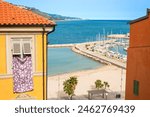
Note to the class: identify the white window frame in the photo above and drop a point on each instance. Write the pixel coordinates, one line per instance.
(21, 41)
(9, 54)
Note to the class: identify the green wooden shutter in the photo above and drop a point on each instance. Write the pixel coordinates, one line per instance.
(136, 87)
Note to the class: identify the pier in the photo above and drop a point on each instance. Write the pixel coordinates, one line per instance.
(119, 36)
(60, 45)
(71, 45)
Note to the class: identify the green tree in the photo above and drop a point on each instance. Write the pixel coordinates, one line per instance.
(69, 86)
(98, 84)
(106, 85)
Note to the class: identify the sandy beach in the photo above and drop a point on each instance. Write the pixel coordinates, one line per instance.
(86, 79)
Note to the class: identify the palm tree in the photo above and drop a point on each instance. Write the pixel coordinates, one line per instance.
(98, 84)
(69, 86)
(106, 85)
(73, 80)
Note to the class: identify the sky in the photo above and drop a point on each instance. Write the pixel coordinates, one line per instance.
(91, 9)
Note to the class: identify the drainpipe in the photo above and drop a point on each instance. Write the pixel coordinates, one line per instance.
(43, 61)
(45, 83)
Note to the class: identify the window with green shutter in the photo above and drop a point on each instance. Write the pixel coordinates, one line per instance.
(136, 87)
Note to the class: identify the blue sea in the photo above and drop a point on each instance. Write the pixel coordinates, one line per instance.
(86, 30)
(63, 60)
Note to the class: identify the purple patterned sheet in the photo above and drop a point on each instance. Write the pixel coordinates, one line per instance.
(22, 74)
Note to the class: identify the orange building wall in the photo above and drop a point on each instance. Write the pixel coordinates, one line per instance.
(138, 62)
(140, 33)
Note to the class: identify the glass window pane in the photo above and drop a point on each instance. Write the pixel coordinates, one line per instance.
(26, 48)
(16, 49)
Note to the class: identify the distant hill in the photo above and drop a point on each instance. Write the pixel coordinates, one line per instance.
(48, 15)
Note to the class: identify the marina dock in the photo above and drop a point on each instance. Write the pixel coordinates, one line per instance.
(119, 36)
(96, 56)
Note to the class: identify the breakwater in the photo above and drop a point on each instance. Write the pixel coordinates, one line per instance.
(60, 45)
(95, 56)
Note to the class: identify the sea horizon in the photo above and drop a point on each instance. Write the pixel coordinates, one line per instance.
(93, 19)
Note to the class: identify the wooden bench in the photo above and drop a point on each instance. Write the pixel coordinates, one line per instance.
(101, 92)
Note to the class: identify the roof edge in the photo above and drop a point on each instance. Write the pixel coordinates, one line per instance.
(141, 18)
(32, 25)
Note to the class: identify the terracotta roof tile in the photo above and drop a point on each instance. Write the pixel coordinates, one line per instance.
(13, 15)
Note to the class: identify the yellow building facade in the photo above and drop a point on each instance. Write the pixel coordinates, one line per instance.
(31, 38)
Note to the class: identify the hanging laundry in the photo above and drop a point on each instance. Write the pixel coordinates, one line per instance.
(22, 74)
